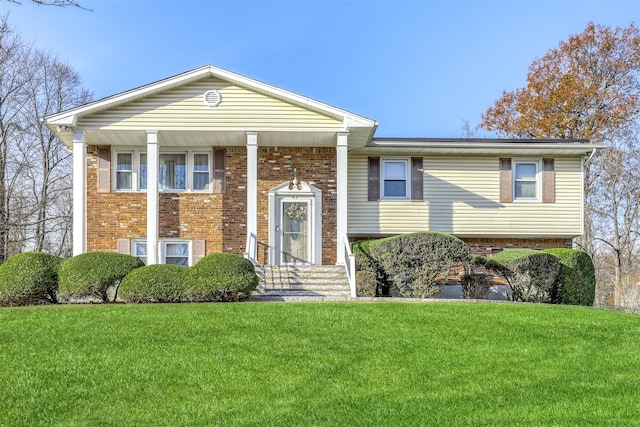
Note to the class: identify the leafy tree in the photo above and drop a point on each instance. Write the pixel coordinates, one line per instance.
(588, 88)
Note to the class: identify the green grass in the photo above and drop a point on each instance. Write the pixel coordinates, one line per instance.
(342, 364)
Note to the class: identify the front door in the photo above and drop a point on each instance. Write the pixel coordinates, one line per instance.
(295, 224)
(295, 231)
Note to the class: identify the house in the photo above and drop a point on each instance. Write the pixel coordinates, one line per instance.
(209, 161)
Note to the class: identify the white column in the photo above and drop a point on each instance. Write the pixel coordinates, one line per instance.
(252, 183)
(79, 193)
(341, 189)
(153, 218)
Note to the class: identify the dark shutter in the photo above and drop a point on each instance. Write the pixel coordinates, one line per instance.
(417, 177)
(548, 181)
(124, 246)
(506, 181)
(374, 179)
(219, 169)
(104, 170)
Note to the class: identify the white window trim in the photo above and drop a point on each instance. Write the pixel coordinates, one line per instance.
(163, 248)
(407, 168)
(135, 177)
(114, 175)
(538, 163)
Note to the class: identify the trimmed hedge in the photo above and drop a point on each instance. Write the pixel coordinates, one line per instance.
(364, 260)
(419, 263)
(29, 278)
(221, 277)
(475, 285)
(366, 284)
(577, 280)
(154, 283)
(89, 275)
(531, 274)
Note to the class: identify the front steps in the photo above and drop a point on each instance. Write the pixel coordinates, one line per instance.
(301, 283)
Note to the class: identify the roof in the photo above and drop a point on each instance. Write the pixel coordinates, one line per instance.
(487, 146)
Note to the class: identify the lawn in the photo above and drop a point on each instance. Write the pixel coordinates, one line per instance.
(355, 364)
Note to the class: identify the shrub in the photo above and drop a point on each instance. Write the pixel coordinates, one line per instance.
(531, 274)
(29, 278)
(88, 276)
(221, 277)
(417, 264)
(577, 280)
(475, 285)
(364, 260)
(154, 283)
(366, 284)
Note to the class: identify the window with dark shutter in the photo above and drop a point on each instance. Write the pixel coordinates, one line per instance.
(374, 179)
(219, 170)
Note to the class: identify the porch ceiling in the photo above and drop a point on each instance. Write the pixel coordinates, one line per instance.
(175, 138)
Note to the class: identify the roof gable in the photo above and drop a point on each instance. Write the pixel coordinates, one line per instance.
(73, 116)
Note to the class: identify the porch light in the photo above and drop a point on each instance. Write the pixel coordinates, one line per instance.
(295, 183)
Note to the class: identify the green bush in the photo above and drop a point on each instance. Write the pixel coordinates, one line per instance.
(419, 263)
(154, 283)
(577, 280)
(531, 274)
(29, 278)
(364, 260)
(475, 285)
(366, 284)
(89, 275)
(221, 277)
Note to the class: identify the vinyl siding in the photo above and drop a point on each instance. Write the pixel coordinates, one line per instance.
(461, 196)
(183, 108)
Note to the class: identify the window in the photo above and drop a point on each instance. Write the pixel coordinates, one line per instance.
(395, 179)
(140, 250)
(143, 171)
(176, 252)
(525, 181)
(173, 172)
(201, 171)
(124, 171)
(395, 184)
(177, 171)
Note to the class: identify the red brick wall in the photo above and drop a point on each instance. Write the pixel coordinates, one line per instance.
(488, 246)
(219, 219)
(317, 167)
(117, 215)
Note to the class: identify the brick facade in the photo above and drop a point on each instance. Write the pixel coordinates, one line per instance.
(218, 219)
(488, 246)
(316, 167)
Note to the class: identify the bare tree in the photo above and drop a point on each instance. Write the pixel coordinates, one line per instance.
(35, 167)
(59, 3)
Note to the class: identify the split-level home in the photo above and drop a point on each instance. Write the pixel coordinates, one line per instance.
(211, 161)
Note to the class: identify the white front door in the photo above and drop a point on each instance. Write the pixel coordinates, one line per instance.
(295, 236)
(295, 225)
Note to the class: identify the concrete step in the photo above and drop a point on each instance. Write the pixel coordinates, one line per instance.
(301, 281)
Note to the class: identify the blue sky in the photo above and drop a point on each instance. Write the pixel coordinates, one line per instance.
(417, 67)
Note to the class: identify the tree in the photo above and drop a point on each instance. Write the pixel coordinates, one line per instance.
(60, 3)
(35, 170)
(588, 87)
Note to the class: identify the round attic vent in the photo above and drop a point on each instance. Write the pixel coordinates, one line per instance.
(212, 98)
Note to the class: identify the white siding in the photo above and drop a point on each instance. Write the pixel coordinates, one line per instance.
(183, 108)
(461, 196)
